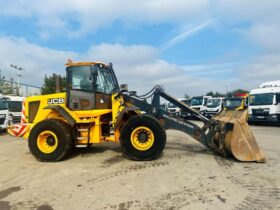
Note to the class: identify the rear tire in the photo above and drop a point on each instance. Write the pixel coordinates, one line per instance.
(142, 138)
(50, 140)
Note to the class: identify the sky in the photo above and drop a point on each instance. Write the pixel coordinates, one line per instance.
(188, 46)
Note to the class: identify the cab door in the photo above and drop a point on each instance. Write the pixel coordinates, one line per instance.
(80, 89)
(104, 87)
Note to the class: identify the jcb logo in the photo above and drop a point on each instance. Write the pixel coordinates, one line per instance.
(56, 101)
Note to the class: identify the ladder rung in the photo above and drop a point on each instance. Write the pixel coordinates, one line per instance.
(82, 137)
(81, 145)
(83, 129)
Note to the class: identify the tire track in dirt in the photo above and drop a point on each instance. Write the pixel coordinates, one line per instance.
(123, 205)
(139, 166)
(260, 195)
(112, 161)
(178, 199)
(168, 201)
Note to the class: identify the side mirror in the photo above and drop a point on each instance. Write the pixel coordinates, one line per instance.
(124, 88)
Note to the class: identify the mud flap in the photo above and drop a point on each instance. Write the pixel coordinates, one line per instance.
(240, 142)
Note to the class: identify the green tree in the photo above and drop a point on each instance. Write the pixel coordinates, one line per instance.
(218, 94)
(210, 93)
(2, 82)
(7, 88)
(239, 91)
(49, 85)
(187, 96)
(236, 91)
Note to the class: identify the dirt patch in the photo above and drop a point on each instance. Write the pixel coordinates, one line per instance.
(5, 205)
(45, 207)
(221, 199)
(5, 193)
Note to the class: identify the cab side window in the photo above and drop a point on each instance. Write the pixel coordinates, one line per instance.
(277, 98)
(103, 82)
(246, 102)
(205, 101)
(81, 79)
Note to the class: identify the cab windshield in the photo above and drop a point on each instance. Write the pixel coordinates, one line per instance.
(187, 102)
(15, 106)
(4, 104)
(170, 105)
(96, 78)
(261, 99)
(213, 103)
(233, 103)
(197, 101)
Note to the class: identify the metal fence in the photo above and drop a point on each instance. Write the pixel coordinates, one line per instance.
(11, 88)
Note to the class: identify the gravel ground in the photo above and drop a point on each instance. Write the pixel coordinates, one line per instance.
(186, 176)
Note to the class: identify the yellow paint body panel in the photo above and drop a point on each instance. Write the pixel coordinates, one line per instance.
(85, 120)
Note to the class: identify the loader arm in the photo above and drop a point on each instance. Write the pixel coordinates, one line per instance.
(213, 134)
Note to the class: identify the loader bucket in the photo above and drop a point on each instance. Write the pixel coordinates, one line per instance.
(240, 142)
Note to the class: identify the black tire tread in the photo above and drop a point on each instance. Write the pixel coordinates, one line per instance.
(64, 133)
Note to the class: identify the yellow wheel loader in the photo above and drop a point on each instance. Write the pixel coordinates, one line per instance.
(239, 102)
(95, 109)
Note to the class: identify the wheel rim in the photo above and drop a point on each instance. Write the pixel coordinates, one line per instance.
(142, 138)
(47, 142)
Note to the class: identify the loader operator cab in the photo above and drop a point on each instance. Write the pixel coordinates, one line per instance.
(90, 85)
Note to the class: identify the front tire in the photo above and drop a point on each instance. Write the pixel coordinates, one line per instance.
(142, 138)
(50, 140)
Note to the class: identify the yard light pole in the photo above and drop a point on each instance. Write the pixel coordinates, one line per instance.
(226, 90)
(19, 69)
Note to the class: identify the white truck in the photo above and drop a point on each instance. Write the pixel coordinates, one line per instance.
(214, 106)
(199, 103)
(264, 103)
(174, 109)
(10, 110)
(183, 113)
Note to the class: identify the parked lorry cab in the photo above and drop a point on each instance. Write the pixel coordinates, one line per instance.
(173, 109)
(164, 106)
(184, 113)
(10, 110)
(213, 106)
(198, 103)
(264, 103)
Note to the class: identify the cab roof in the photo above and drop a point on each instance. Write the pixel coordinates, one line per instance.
(83, 63)
(265, 90)
(234, 98)
(12, 98)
